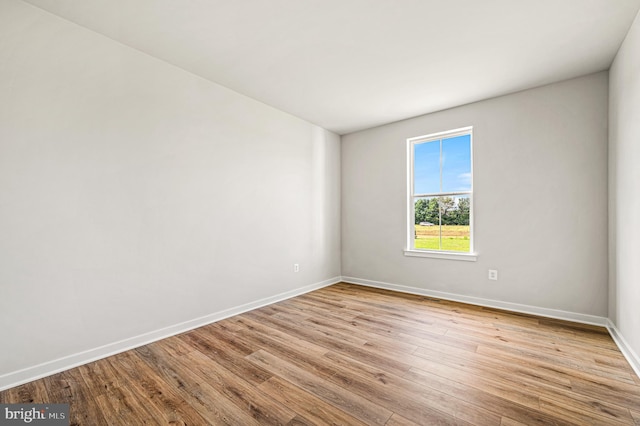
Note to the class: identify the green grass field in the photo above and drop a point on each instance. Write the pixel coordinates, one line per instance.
(454, 238)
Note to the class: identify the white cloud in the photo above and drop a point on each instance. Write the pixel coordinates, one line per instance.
(465, 177)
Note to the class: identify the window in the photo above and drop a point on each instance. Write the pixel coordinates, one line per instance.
(440, 195)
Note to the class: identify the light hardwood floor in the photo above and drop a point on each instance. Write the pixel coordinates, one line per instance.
(352, 355)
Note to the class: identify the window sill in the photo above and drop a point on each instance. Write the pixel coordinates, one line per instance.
(468, 257)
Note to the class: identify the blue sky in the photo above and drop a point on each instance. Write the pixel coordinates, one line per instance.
(456, 165)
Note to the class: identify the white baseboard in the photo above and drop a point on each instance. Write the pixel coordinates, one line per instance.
(25, 375)
(629, 354)
(507, 306)
(45, 369)
(624, 347)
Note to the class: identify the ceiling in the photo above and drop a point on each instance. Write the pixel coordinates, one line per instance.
(348, 65)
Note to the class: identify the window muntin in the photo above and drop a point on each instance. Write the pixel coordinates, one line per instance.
(440, 203)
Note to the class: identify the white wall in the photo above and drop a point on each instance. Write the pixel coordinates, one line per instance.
(135, 196)
(540, 160)
(624, 190)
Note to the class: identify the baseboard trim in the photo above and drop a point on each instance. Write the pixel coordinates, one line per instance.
(489, 303)
(632, 358)
(625, 348)
(48, 368)
(45, 369)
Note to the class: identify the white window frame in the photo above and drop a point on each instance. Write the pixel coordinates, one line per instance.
(410, 249)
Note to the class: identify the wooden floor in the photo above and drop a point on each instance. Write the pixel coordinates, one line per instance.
(351, 355)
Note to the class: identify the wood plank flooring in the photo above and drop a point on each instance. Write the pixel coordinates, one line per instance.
(352, 355)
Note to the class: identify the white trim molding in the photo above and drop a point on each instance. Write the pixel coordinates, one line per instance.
(412, 196)
(45, 369)
(632, 358)
(469, 257)
(489, 303)
(25, 375)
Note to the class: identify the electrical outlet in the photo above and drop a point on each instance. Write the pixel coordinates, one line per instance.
(493, 274)
(296, 267)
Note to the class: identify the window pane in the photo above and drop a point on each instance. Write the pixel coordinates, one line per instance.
(426, 167)
(456, 234)
(427, 226)
(456, 164)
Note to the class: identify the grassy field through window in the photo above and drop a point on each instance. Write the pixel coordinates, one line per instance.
(454, 237)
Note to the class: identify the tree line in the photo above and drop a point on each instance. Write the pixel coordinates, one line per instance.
(452, 214)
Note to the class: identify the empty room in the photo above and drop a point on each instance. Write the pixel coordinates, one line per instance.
(305, 212)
